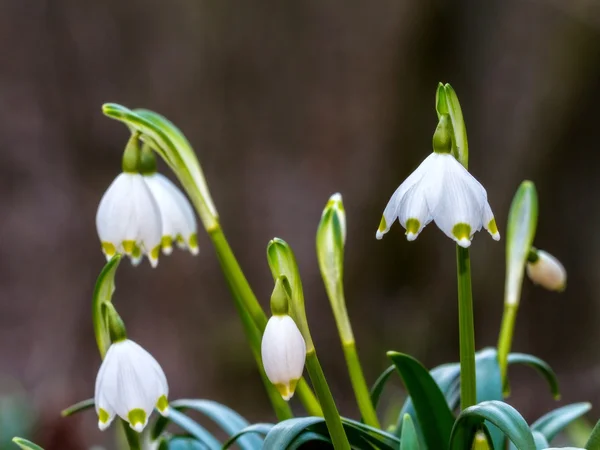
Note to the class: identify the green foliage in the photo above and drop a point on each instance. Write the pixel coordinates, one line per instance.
(25, 444)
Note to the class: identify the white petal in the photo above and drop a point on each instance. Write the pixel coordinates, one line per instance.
(177, 216)
(548, 272)
(459, 203)
(413, 211)
(128, 216)
(104, 391)
(283, 352)
(489, 222)
(391, 211)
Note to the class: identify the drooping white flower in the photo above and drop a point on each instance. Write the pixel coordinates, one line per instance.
(547, 271)
(177, 216)
(283, 353)
(442, 190)
(128, 219)
(130, 384)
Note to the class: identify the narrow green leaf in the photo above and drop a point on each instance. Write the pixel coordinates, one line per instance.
(541, 366)
(184, 443)
(502, 415)
(458, 125)
(441, 106)
(229, 420)
(520, 232)
(194, 429)
(377, 388)
(257, 428)
(103, 292)
(540, 440)
(489, 387)
(25, 444)
(284, 433)
(552, 423)
(410, 440)
(593, 442)
(307, 437)
(433, 414)
(78, 407)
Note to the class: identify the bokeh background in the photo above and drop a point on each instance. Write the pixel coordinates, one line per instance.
(286, 103)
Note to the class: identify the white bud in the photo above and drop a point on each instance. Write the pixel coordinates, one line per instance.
(130, 384)
(283, 353)
(547, 271)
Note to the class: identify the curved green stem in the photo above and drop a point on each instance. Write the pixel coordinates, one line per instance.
(359, 385)
(505, 339)
(133, 438)
(468, 388)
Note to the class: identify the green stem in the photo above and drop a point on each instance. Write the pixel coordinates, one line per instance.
(468, 388)
(133, 438)
(359, 385)
(330, 411)
(248, 307)
(505, 339)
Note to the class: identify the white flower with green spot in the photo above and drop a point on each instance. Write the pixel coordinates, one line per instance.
(128, 219)
(130, 384)
(443, 191)
(177, 216)
(547, 271)
(283, 353)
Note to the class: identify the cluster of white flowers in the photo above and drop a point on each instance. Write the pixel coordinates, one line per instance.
(130, 384)
(140, 213)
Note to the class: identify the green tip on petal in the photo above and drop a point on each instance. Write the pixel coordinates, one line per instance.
(162, 404)
(492, 226)
(137, 419)
(167, 244)
(412, 229)
(137, 252)
(128, 247)
(109, 249)
(103, 416)
(382, 228)
(193, 243)
(462, 234)
(286, 390)
(154, 255)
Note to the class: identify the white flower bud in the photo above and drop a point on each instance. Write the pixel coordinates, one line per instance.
(283, 353)
(130, 384)
(547, 271)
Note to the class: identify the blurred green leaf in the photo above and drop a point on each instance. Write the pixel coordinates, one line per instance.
(229, 420)
(541, 366)
(78, 407)
(410, 440)
(432, 412)
(190, 426)
(257, 428)
(103, 292)
(553, 422)
(540, 440)
(502, 415)
(25, 444)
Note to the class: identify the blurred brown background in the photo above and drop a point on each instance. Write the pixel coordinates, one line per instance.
(285, 104)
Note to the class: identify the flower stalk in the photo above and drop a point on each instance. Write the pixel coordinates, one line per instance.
(331, 235)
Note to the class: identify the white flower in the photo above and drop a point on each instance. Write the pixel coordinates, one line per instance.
(177, 216)
(442, 190)
(283, 353)
(547, 271)
(130, 383)
(128, 219)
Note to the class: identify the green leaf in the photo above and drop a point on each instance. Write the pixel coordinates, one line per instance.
(502, 415)
(441, 106)
(552, 423)
(410, 440)
(377, 388)
(25, 444)
(540, 440)
(257, 428)
(194, 429)
(306, 438)
(284, 433)
(520, 232)
(433, 414)
(103, 292)
(489, 387)
(229, 420)
(541, 366)
(78, 407)
(184, 443)
(458, 125)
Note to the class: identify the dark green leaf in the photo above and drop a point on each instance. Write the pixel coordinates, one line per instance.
(489, 387)
(78, 407)
(541, 366)
(552, 423)
(432, 412)
(257, 428)
(194, 429)
(25, 444)
(103, 291)
(502, 415)
(306, 437)
(410, 440)
(378, 386)
(284, 433)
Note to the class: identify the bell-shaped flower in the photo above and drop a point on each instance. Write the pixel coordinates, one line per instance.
(547, 271)
(128, 219)
(442, 190)
(130, 384)
(177, 216)
(283, 353)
